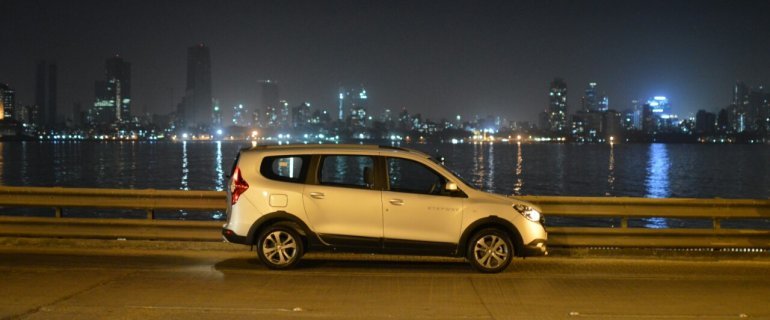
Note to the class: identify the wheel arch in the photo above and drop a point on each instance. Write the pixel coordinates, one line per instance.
(308, 236)
(491, 222)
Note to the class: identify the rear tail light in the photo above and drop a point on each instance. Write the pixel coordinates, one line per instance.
(237, 186)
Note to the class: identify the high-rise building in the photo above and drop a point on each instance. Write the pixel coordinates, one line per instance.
(7, 102)
(556, 113)
(755, 113)
(764, 113)
(284, 114)
(737, 112)
(723, 121)
(351, 101)
(240, 116)
(270, 103)
(740, 94)
(45, 95)
(118, 74)
(197, 107)
(593, 100)
(113, 95)
(590, 102)
(301, 116)
(658, 116)
(705, 122)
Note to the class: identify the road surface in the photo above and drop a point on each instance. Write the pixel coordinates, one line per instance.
(131, 283)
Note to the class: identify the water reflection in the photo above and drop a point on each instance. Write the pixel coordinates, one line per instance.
(219, 181)
(611, 172)
(132, 184)
(561, 164)
(478, 165)
(102, 165)
(519, 169)
(185, 169)
(491, 164)
(24, 164)
(656, 184)
(58, 161)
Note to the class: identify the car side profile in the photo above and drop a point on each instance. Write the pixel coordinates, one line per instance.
(288, 200)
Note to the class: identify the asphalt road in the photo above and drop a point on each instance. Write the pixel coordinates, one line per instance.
(131, 283)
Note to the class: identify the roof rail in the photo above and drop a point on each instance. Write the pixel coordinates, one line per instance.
(336, 146)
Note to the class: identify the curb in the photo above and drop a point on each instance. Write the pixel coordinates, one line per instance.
(221, 246)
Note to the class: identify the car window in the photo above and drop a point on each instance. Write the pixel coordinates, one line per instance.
(285, 168)
(413, 177)
(347, 170)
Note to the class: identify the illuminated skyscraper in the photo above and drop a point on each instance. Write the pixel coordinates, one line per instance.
(352, 102)
(589, 101)
(658, 116)
(197, 107)
(556, 113)
(240, 116)
(270, 103)
(301, 116)
(593, 100)
(118, 74)
(7, 102)
(113, 95)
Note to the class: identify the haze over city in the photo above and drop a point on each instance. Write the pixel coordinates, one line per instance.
(437, 58)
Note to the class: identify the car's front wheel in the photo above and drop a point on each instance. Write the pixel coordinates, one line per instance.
(490, 250)
(279, 247)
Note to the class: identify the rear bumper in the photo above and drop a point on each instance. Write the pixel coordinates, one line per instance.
(537, 247)
(230, 236)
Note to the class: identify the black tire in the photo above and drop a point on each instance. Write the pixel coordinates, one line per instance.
(280, 247)
(490, 250)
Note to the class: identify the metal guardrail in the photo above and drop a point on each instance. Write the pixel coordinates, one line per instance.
(622, 209)
(114, 229)
(148, 199)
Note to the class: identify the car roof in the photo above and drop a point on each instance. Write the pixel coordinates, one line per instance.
(331, 148)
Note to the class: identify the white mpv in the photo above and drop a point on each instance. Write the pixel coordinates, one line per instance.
(287, 200)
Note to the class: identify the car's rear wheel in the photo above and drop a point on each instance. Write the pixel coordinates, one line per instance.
(490, 250)
(280, 247)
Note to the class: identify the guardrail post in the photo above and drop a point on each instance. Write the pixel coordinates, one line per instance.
(717, 223)
(624, 222)
(58, 212)
(150, 214)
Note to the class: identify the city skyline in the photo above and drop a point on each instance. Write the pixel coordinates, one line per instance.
(494, 58)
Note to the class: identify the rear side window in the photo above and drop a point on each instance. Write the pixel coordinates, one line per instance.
(347, 171)
(285, 168)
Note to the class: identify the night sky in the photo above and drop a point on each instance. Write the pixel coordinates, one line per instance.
(439, 58)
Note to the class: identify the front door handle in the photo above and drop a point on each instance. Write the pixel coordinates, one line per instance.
(396, 202)
(317, 195)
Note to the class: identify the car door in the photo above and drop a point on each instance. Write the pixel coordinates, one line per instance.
(418, 214)
(342, 205)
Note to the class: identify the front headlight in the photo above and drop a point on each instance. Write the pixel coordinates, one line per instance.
(528, 212)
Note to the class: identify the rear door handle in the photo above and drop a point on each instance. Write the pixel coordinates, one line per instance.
(317, 195)
(396, 202)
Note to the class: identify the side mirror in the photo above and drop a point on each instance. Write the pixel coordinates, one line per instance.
(450, 186)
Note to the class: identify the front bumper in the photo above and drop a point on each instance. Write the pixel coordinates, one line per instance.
(537, 247)
(230, 236)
